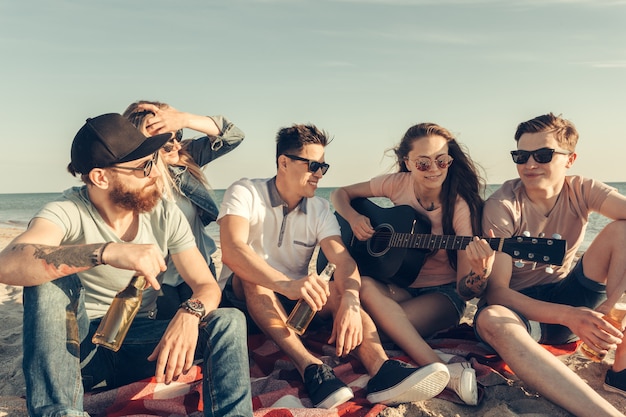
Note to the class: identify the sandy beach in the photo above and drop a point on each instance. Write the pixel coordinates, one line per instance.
(513, 399)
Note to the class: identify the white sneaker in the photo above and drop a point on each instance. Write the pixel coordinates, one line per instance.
(463, 382)
(445, 357)
(397, 382)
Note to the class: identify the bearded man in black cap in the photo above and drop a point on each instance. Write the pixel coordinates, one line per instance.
(82, 249)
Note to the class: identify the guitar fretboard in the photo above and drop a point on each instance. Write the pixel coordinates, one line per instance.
(424, 241)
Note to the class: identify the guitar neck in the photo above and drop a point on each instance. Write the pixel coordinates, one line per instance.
(448, 242)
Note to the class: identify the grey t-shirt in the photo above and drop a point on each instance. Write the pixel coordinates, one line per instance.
(165, 226)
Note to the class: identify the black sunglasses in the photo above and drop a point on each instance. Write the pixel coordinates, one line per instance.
(541, 156)
(313, 165)
(177, 137)
(146, 168)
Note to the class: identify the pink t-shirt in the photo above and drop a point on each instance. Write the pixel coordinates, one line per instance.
(398, 188)
(509, 212)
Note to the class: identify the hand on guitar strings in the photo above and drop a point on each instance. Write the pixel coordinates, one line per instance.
(362, 227)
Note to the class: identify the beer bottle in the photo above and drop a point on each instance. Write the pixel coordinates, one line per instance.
(302, 313)
(118, 318)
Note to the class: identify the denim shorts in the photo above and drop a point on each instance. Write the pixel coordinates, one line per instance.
(576, 290)
(447, 290)
(229, 299)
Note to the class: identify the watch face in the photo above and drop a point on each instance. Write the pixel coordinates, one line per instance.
(195, 305)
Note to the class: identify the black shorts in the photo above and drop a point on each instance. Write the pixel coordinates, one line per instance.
(229, 299)
(575, 290)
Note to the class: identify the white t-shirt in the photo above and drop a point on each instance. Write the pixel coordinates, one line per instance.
(285, 241)
(165, 226)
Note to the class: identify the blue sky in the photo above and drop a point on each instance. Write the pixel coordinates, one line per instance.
(364, 70)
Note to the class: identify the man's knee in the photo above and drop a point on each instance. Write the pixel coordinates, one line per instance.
(614, 233)
(53, 310)
(496, 321)
(257, 296)
(58, 293)
(226, 321)
(229, 317)
(238, 287)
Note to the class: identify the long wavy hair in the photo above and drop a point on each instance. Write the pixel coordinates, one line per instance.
(138, 118)
(463, 179)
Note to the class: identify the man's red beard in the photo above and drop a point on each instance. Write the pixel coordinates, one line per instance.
(138, 201)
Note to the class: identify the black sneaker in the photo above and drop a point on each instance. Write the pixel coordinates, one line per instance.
(324, 388)
(615, 381)
(397, 382)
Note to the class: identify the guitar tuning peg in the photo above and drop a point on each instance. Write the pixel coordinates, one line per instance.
(534, 265)
(541, 235)
(549, 269)
(526, 233)
(556, 236)
(519, 264)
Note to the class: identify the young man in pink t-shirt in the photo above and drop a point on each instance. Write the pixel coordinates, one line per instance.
(528, 303)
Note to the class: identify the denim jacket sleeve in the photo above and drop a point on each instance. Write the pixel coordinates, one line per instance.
(207, 148)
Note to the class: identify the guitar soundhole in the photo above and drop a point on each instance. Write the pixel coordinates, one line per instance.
(378, 244)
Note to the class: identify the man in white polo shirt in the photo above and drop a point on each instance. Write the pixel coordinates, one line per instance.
(269, 229)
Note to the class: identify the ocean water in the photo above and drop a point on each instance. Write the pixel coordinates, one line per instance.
(17, 209)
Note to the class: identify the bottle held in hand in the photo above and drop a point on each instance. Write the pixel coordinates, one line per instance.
(302, 313)
(117, 320)
(616, 318)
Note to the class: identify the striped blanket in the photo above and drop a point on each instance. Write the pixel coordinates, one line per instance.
(277, 388)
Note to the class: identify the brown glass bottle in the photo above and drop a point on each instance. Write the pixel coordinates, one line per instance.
(302, 313)
(117, 320)
(615, 317)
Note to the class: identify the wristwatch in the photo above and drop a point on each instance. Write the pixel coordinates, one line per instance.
(194, 307)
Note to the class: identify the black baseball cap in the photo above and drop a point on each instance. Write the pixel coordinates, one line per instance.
(111, 139)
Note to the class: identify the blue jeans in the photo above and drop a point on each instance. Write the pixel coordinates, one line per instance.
(59, 357)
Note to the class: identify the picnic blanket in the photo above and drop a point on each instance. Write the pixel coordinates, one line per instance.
(277, 387)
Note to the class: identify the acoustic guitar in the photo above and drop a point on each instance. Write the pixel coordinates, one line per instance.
(402, 241)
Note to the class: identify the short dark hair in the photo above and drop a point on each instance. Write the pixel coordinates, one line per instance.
(293, 139)
(564, 131)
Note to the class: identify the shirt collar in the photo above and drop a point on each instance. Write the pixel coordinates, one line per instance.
(276, 200)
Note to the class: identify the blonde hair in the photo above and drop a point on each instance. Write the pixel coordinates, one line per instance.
(138, 118)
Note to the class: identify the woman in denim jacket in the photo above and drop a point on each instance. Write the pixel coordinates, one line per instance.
(184, 160)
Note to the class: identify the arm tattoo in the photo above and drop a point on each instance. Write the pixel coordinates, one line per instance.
(473, 285)
(75, 256)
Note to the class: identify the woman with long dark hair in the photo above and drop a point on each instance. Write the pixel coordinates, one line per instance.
(438, 180)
